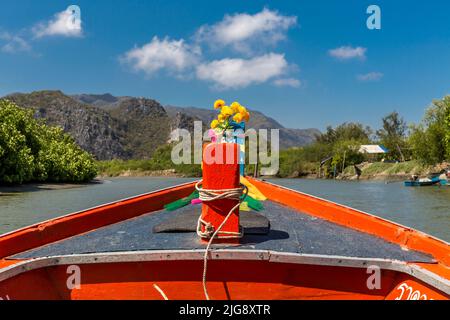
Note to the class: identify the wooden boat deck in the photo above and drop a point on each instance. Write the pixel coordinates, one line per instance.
(291, 231)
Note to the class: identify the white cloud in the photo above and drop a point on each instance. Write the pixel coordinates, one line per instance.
(347, 52)
(371, 76)
(241, 31)
(62, 24)
(239, 73)
(173, 55)
(12, 43)
(287, 82)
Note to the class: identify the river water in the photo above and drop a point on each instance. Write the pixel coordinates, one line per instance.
(423, 208)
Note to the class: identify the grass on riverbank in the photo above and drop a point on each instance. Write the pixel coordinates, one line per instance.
(159, 164)
(376, 170)
(296, 162)
(115, 168)
(383, 169)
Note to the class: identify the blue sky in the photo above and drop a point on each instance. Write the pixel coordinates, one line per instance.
(305, 63)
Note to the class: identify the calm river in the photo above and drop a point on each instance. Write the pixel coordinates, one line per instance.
(426, 208)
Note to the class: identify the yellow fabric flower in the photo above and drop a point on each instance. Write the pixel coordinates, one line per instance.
(246, 116)
(219, 104)
(238, 117)
(235, 107)
(242, 109)
(221, 117)
(214, 124)
(227, 111)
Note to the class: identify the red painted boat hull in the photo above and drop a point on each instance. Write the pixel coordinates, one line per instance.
(233, 274)
(236, 279)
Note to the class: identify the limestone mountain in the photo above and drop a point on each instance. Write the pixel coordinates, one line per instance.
(126, 127)
(94, 129)
(147, 125)
(288, 137)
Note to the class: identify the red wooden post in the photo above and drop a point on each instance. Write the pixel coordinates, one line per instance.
(221, 171)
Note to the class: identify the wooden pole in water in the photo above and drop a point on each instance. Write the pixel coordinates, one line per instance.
(343, 162)
(255, 172)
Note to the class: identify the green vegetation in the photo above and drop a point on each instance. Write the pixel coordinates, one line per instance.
(160, 160)
(430, 140)
(389, 169)
(412, 150)
(393, 136)
(31, 151)
(340, 145)
(416, 150)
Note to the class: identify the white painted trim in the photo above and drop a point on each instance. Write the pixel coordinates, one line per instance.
(413, 270)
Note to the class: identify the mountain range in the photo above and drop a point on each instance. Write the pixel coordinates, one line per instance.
(126, 127)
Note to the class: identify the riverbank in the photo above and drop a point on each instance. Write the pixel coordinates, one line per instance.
(392, 171)
(142, 173)
(30, 187)
(160, 165)
(369, 171)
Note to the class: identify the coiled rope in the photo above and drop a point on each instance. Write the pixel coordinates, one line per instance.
(207, 195)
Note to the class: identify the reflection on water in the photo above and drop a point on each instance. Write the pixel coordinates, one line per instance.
(22, 209)
(424, 208)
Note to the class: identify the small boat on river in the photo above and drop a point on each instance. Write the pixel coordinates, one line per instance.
(223, 237)
(425, 182)
(315, 249)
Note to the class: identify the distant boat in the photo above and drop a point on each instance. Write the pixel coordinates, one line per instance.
(315, 249)
(424, 182)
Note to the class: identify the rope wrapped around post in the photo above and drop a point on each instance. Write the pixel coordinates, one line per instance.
(207, 195)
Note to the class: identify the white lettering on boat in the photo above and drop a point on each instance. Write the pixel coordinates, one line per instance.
(408, 293)
(74, 279)
(374, 280)
(5, 298)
